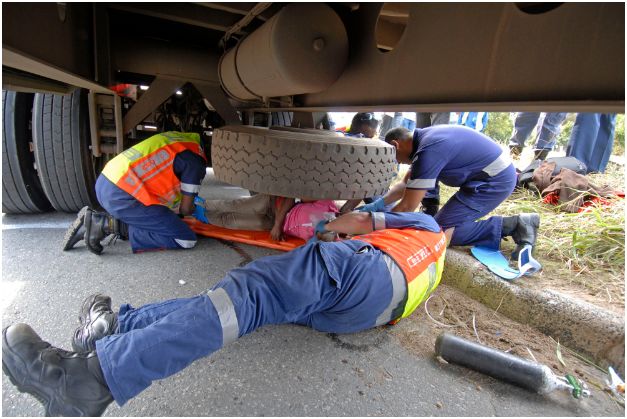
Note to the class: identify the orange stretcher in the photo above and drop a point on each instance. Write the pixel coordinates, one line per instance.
(255, 238)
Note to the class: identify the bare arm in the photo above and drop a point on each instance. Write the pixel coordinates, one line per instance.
(351, 223)
(279, 218)
(187, 205)
(410, 201)
(349, 205)
(394, 194)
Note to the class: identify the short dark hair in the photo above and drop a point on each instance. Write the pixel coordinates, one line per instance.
(398, 133)
(363, 119)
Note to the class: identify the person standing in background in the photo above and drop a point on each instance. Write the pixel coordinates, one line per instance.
(474, 120)
(592, 139)
(547, 135)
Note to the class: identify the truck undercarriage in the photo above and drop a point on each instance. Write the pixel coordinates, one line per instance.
(208, 65)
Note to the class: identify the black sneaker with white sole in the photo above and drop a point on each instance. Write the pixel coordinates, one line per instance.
(97, 320)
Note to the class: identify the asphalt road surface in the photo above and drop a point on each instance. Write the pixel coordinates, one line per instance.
(282, 370)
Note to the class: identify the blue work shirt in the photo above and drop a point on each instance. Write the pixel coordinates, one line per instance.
(453, 155)
(335, 255)
(190, 169)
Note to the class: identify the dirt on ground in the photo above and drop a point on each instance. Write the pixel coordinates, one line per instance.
(589, 282)
(450, 311)
(584, 285)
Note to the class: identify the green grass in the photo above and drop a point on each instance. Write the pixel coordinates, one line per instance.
(582, 250)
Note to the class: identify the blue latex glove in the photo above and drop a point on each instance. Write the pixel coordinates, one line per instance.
(376, 206)
(319, 229)
(199, 210)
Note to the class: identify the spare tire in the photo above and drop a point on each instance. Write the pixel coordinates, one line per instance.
(67, 168)
(21, 189)
(302, 165)
(308, 131)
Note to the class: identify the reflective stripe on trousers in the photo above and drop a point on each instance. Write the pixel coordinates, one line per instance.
(160, 339)
(226, 312)
(399, 293)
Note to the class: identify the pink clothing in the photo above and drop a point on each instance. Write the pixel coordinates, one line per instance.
(303, 218)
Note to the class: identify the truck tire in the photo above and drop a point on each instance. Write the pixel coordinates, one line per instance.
(302, 165)
(283, 119)
(308, 131)
(67, 168)
(21, 189)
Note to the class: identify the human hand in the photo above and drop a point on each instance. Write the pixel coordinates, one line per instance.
(321, 233)
(376, 206)
(277, 234)
(199, 210)
(318, 231)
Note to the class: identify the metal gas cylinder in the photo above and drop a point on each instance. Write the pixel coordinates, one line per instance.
(301, 49)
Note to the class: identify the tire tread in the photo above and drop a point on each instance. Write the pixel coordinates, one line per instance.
(22, 192)
(62, 152)
(302, 165)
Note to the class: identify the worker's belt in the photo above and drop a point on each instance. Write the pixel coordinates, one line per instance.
(399, 293)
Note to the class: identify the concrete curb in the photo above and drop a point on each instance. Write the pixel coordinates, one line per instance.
(587, 329)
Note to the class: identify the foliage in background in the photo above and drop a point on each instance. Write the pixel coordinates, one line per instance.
(586, 249)
(619, 136)
(567, 129)
(500, 126)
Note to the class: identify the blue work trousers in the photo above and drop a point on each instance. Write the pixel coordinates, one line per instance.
(150, 227)
(547, 136)
(473, 201)
(343, 291)
(592, 139)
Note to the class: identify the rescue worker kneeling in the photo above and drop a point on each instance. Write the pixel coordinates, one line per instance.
(340, 287)
(140, 189)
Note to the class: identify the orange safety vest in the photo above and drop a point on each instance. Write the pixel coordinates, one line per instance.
(420, 256)
(146, 170)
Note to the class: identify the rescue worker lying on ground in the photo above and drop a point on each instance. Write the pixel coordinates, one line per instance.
(339, 287)
(460, 157)
(141, 189)
(262, 212)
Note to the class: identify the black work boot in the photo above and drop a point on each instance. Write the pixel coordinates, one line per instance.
(76, 231)
(430, 206)
(66, 383)
(524, 232)
(99, 225)
(97, 320)
(540, 154)
(515, 150)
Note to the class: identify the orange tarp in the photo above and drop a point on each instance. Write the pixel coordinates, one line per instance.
(255, 238)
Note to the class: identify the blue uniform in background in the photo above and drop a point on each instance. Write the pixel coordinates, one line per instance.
(154, 227)
(474, 120)
(592, 139)
(338, 287)
(461, 157)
